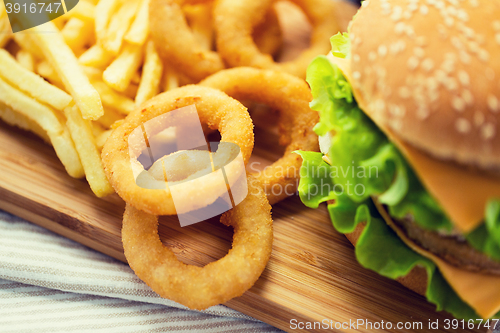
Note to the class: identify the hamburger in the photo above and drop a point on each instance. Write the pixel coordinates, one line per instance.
(409, 101)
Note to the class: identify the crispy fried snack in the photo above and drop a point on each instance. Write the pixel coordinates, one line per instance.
(290, 96)
(219, 281)
(234, 22)
(177, 43)
(214, 108)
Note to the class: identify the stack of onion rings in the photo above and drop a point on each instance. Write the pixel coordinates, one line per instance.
(177, 44)
(234, 21)
(290, 96)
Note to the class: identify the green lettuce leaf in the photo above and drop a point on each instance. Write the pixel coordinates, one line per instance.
(365, 164)
(341, 45)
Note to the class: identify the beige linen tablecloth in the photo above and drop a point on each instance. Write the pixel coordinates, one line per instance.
(51, 284)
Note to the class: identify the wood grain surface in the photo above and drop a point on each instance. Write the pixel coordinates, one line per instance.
(312, 275)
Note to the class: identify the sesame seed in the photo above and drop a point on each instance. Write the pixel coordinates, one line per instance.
(493, 103)
(449, 21)
(356, 75)
(419, 52)
(396, 13)
(424, 9)
(421, 41)
(462, 125)
(428, 64)
(488, 131)
(478, 118)
(463, 77)
(462, 15)
(422, 112)
(372, 56)
(467, 97)
(458, 104)
(413, 63)
(464, 57)
(496, 25)
(450, 84)
(413, 6)
(484, 55)
(356, 58)
(474, 3)
(399, 28)
(382, 50)
(497, 38)
(404, 92)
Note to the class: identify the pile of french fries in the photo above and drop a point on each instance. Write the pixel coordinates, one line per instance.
(72, 80)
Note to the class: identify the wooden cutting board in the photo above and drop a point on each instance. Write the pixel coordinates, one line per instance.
(312, 275)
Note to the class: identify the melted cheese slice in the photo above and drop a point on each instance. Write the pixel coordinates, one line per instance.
(462, 193)
(480, 291)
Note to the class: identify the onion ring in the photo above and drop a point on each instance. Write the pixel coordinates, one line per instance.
(215, 108)
(290, 96)
(176, 43)
(234, 21)
(217, 282)
(267, 34)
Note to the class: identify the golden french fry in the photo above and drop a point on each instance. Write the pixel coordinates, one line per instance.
(139, 30)
(118, 27)
(26, 43)
(94, 74)
(131, 91)
(81, 133)
(25, 59)
(77, 33)
(31, 83)
(84, 10)
(67, 67)
(45, 70)
(20, 102)
(96, 56)
(47, 119)
(170, 79)
(112, 99)
(103, 11)
(101, 138)
(109, 118)
(121, 71)
(17, 119)
(151, 75)
(66, 152)
(5, 30)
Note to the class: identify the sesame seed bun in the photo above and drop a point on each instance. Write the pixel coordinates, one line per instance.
(429, 71)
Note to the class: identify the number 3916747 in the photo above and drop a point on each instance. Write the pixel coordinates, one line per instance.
(33, 8)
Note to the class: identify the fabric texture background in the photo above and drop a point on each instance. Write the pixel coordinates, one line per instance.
(49, 283)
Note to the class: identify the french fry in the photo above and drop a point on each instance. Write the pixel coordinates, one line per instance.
(26, 43)
(109, 118)
(31, 83)
(139, 30)
(96, 56)
(67, 67)
(84, 10)
(90, 157)
(20, 102)
(101, 138)
(151, 75)
(121, 71)
(118, 27)
(112, 99)
(66, 152)
(103, 11)
(94, 74)
(131, 91)
(170, 79)
(47, 119)
(77, 33)
(17, 119)
(45, 70)
(25, 59)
